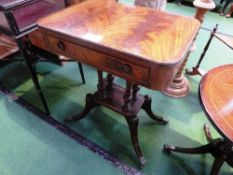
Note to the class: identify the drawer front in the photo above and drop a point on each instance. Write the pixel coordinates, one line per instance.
(130, 71)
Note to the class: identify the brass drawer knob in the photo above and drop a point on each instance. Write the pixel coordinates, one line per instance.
(61, 45)
(126, 68)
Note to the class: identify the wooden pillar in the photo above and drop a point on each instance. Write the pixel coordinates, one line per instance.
(180, 85)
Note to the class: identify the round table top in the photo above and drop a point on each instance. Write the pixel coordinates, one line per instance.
(216, 95)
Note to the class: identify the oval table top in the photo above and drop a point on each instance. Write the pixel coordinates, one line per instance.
(216, 95)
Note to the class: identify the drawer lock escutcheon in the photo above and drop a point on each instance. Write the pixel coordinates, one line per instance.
(118, 66)
(126, 68)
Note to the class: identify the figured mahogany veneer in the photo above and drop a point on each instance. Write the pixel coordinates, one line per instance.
(139, 44)
(216, 92)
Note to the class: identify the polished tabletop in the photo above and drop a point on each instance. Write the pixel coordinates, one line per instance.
(140, 32)
(216, 93)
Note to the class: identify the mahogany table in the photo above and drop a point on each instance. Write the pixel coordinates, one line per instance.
(216, 96)
(143, 46)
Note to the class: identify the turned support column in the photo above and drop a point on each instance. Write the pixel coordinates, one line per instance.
(110, 79)
(100, 85)
(180, 85)
(135, 89)
(126, 107)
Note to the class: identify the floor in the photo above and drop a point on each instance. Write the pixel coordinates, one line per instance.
(32, 143)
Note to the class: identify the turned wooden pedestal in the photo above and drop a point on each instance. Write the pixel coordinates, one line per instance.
(180, 85)
(125, 101)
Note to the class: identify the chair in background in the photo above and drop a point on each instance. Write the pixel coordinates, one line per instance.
(18, 19)
(216, 94)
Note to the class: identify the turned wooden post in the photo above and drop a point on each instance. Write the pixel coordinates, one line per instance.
(126, 97)
(110, 79)
(135, 89)
(180, 85)
(100, 84)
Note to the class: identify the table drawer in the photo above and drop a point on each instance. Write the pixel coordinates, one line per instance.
(128, 70)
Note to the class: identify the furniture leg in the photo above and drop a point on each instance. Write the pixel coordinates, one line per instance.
(219, 148)
(110, 79)
(126, 107)
(208, 148)
(90, 104)
(133, 127)
(147, 107)
(135, 89)
(100, 85)
(81, 72)
(90, 99)
(32, 71)
(218, 162)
